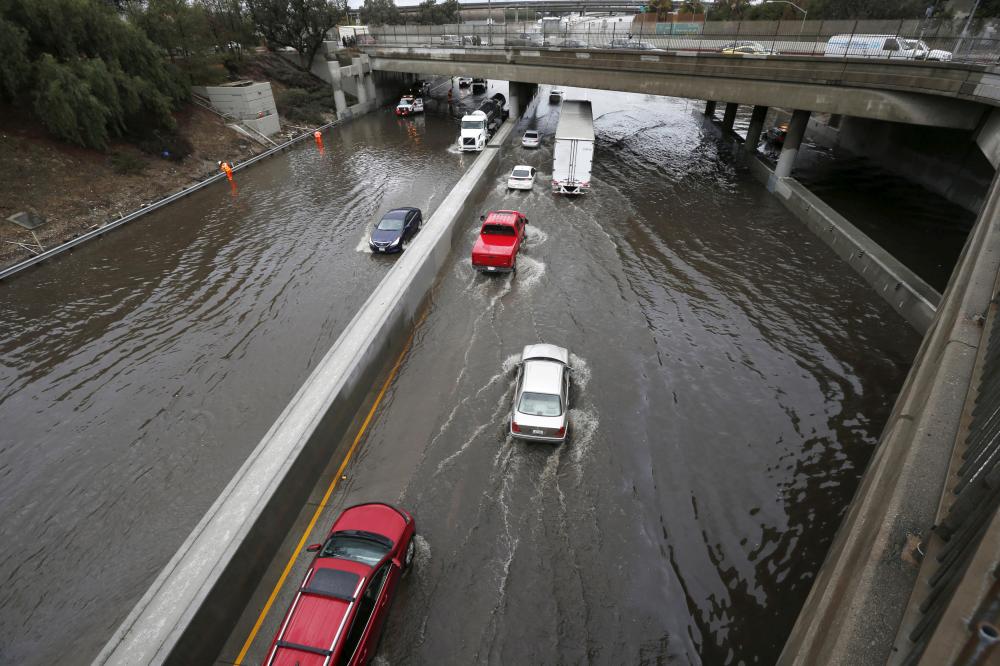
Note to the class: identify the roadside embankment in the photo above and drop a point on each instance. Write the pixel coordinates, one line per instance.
(77, 190)
(193, 603)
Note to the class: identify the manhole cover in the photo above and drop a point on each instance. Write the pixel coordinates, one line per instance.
(27, 220)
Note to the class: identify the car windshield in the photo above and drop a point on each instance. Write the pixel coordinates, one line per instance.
(357, 546)
(520, 173)
(540, 404)
(531, 135)
(392, 221)
(497, 230)
(472, 124)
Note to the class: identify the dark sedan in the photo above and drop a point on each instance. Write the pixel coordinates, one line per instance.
(394, 229)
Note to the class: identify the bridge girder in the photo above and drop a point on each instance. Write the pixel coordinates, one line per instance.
(852, 89)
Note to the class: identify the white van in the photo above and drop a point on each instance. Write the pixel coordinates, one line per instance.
(882, 46)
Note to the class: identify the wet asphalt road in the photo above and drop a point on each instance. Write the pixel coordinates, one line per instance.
(731, 378)
(137, 372)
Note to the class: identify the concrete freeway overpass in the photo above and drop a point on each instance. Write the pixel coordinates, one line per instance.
(959, 96)
(557, 6)
(932, 94)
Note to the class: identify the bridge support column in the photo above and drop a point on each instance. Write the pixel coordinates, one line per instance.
(710, 108)
(729, 117)
(796, 130)
(755, 129)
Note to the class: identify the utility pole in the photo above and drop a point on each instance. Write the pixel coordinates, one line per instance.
(965, 30)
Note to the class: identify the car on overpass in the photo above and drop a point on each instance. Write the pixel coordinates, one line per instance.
(565, 42)
(337, 614)
(882, 46)
(541, 400)
(746, 48)
(395, 228)
(632, 44)
(525, 39)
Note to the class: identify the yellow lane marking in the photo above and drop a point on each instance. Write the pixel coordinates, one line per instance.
(326, 497)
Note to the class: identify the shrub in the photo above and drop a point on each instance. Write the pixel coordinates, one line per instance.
(126, 164)
(87, 74)
(166, 144)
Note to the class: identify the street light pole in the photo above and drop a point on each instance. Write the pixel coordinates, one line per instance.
(786, 2)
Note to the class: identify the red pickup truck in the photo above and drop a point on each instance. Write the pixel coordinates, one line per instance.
(499, 240)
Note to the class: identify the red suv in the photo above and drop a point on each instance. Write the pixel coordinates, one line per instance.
(337, 615)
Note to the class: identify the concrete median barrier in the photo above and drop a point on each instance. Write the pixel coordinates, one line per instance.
(190, 608)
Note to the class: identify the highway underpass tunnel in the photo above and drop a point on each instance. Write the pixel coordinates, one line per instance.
(793, 139)
(520, 96)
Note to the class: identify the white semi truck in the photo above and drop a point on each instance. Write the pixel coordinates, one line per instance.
(479, 126)
(574, 148)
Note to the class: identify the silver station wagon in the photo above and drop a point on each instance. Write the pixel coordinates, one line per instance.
(541, 400)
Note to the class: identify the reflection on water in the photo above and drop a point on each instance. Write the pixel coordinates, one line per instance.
(921, 229)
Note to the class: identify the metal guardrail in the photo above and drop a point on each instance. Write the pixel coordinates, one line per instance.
(114, 224)
(883, 40)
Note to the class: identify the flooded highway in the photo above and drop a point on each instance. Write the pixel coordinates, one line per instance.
(923, 230)
(730, 379)
(138, 372)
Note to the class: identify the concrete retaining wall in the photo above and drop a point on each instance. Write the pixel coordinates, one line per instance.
(855, 606)
(915, 300)
(192, 605)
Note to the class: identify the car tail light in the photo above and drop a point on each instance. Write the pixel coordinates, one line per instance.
(561, 432)
(514, 427)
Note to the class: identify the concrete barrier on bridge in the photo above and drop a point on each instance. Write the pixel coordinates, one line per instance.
(911, 297)
(190, 608)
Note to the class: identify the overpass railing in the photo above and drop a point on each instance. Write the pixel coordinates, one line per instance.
(890, 40)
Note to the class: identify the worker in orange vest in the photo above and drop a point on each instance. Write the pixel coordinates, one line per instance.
(226, 169)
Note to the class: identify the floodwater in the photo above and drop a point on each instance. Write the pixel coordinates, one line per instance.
(925, 231)
(920, 228)
(731, 378)
(138, 372)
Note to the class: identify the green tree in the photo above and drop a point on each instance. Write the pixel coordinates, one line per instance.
(229, 24)
(866, 9)
(729, 10)
(659, 7)
(179, 28)
(380, 12)
(15, 68)
(692, 7)
(430, 12)
(299, 24)
(85, 73)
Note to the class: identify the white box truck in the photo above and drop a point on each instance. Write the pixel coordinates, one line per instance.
(574, 148)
